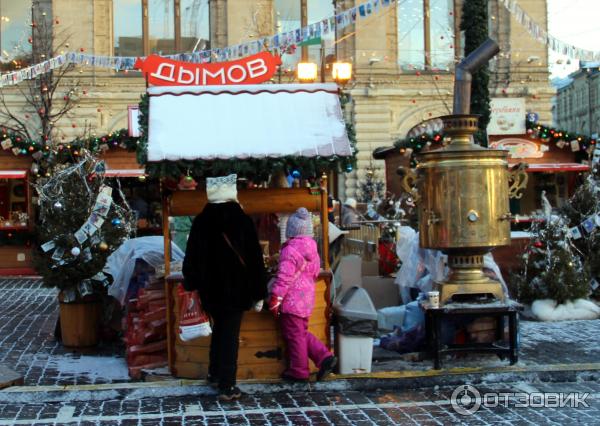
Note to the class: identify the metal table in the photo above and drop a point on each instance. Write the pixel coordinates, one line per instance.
(433, 326)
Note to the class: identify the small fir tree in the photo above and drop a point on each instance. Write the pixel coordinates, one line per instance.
(371, 189)
(552, 267)
(584, 208)
(82, 220)
(390, 208)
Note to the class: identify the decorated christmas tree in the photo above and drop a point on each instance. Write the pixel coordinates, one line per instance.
(371, 189)
(82, 219)
(390, 209)
(583, 214)
(552, 266)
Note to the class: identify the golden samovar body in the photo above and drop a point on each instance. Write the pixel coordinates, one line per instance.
(464, 207)
(464, 201)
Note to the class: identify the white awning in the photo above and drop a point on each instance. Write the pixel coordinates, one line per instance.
(245, 121)
(557, 167)
(13, 174)
(124, 172)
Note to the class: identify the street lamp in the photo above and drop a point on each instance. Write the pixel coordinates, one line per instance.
(341, 72)
(307, 72)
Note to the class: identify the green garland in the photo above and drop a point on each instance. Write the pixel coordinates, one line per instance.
(418, 143)
(535, 130)
(70, 152)
(47, 155)
(252, 168)
(559, 136)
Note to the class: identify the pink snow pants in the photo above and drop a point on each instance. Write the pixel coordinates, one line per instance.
(301, 345)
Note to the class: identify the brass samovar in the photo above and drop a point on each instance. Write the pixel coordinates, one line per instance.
(463, 195)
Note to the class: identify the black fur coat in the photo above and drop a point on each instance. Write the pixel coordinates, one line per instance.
(213, 268)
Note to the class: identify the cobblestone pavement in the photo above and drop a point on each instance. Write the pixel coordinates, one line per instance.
(28, 315)
(416, 407)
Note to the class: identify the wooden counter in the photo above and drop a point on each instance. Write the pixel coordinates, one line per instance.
(16, 260)
(262, 349)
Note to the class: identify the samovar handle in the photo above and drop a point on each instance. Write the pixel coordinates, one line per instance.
(408, 181)
(517, 180)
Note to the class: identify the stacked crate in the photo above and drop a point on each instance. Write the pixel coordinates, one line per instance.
(146, 330)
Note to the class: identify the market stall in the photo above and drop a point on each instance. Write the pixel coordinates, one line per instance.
(245, 123)
(16, 224)
(552, 169)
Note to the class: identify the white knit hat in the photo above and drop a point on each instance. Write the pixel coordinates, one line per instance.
(351, 202)
(221, 189)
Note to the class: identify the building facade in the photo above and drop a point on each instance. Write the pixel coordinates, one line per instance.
(577, 103)
(403, 57)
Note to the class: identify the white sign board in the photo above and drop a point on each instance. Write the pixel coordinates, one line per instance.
(133, 114)
(508, 116)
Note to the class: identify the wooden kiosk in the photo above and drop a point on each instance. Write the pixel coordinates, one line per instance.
(261, 353)
(188, 123)
(16, 215)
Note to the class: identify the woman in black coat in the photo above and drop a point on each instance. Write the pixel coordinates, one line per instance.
(224, 263)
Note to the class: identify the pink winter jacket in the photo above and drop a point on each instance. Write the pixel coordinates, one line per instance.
(299, 267)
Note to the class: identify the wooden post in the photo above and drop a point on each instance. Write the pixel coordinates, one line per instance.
(168, 290)
(324, 222)
(166, 232)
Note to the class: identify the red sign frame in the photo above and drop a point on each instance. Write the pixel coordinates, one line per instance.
(253, 69)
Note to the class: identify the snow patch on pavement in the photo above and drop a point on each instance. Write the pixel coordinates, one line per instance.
(580, 309)
(92, 367)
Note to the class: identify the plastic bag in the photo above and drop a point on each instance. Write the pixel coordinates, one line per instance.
(193, 321)
(357, 327)
(420, 267)
(121, 263)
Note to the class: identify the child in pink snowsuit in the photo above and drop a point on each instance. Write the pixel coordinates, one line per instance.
(293, 298)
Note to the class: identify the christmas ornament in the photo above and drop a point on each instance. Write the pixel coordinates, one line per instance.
(296, 174)
(116, 222)
(349, 168)
(75, 251)
(58, 205)
(187, 183)
(103, 246)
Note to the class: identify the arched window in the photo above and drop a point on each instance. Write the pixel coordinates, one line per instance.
(142, 27)
(426, 34)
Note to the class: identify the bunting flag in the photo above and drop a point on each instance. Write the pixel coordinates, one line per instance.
(282, 42)
(541, 35)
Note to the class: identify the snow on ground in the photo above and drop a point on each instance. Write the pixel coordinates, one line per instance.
(580, 309)
(91, 367)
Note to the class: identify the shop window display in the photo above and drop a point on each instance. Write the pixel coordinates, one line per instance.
(13, 204)
(15, 220)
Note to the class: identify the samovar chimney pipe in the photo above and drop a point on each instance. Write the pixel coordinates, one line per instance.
(464, 71)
